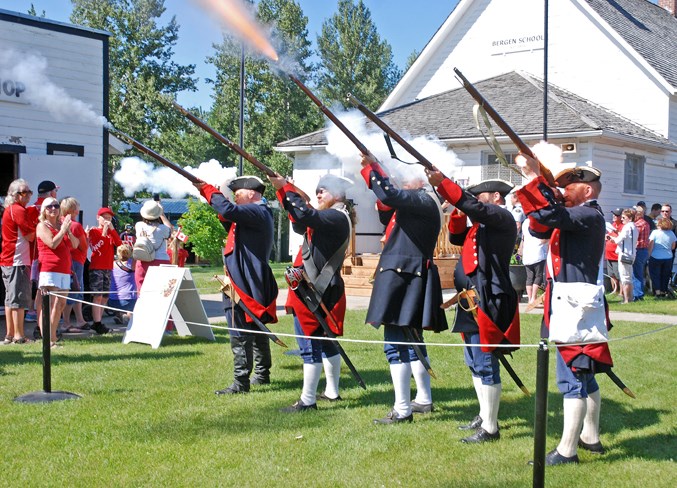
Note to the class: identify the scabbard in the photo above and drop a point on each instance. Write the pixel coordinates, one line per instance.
(260, 324)
(409, 334)
(508, 367)
(619, 383)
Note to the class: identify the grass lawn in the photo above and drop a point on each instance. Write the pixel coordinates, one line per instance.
(150, 418)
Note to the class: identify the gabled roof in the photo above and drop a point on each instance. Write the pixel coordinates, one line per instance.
(649, 29)
(519, 100)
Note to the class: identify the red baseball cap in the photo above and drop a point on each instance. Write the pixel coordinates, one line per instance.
(104, 210)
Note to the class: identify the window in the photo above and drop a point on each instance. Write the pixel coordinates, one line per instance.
(492, 169)
(633, 178)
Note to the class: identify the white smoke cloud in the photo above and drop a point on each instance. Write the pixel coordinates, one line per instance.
(31, 70)
(339, 146)
(136, 175)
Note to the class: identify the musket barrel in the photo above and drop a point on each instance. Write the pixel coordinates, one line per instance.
(166, 162)
(224, 140)
(512, 135)
(388, 130)
(361, 147)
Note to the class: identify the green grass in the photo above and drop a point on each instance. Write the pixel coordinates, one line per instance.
(205, 283)
(650, 304)
(150, 418)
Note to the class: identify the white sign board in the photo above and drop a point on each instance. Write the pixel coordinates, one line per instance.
(167, 292)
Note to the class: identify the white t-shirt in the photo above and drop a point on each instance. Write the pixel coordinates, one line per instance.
(534, 250)
(157, 234)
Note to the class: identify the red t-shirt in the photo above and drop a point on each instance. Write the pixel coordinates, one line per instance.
(610, 246)
(17, 223)
(56, 260)
(79, 253)
(103, 248)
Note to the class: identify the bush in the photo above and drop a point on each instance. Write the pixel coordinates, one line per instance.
(204, 230)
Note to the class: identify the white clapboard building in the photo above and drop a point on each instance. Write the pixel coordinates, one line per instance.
(612, 95)
(53, 90)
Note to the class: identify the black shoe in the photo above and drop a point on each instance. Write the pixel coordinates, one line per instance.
(325, 398)
(298, 407)
(422, 407)
(482, 436)
(474, 424)
(99, 328)
(394, 418)
(36, 333)
(553, 458)
(232, 390)
(259, 381)
(596, 448)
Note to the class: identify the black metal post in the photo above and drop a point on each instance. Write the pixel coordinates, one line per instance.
(240, 168)
(541, 413)
(46, 345)
(545, 73)
(46, 395)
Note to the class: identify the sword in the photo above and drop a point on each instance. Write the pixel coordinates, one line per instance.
(619, 383)
(227, 289)
(508, 367)
(409, 332)
(296, 279)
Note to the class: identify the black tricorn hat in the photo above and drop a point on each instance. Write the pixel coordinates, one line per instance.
(247, 183)
(579, 174)
(336, 185)
(501, 186)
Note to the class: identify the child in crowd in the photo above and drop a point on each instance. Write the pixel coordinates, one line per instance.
(102, 241)
(122, 285)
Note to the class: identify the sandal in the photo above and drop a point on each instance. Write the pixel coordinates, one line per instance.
(72, 330)
(55, 345)
(8, 340)
(22, 340)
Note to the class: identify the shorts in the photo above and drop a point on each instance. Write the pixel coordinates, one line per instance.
(17, 281)
(61, 281)
(99, 280)
(535, 273)
(612, 268)
(78, 270)
(625, 272)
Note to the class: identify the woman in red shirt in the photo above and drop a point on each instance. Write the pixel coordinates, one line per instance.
(55, 241)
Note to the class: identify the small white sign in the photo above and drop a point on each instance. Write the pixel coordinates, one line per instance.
(167, 292)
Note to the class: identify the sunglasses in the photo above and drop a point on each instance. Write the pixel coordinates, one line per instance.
(25, 192)
(665, 211)
(53, 206)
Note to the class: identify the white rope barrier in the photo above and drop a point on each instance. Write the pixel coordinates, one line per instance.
(369, 341)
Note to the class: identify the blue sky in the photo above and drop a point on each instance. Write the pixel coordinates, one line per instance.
(405, 24)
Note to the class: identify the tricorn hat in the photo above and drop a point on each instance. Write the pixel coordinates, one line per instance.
(617, 212)
(579, 174)
(501, 186)
(247, 183)
(336, 185)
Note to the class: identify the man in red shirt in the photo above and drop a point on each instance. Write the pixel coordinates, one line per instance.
(18, 231)
(102, 241)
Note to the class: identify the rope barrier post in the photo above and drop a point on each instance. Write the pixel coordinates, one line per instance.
(540, 413)
(46, 395)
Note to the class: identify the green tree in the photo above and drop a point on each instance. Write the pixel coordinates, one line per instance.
(204, 230)
(353, 58)
(143, 77)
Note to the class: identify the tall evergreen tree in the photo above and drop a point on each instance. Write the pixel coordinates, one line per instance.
(354, 59)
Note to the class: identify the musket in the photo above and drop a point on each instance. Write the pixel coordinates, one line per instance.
(227, 289)
(512, 135)
(166, 162)
(227, 142)
(360, 147)
(299, 283)
(619, 383)
(388, 130)
(409, 333)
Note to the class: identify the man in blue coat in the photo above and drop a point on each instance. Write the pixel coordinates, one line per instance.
(249, 222)
(407, 293)
(488, 305)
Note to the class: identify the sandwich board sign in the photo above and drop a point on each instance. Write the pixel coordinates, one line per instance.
(167, 292)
